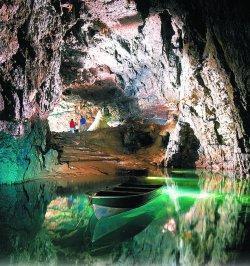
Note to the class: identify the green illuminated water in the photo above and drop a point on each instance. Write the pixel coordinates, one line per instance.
(200, 218)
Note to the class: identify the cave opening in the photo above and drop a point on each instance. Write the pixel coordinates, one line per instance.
(113, 73)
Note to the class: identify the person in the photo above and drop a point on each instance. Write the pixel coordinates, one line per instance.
(82, 124)
(72, 125)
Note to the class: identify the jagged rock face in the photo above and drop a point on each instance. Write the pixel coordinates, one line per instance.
(194, 56)
(138, 58)
(30, 85)
(25, 157)
(31, 34)
(209, 93)
(115, 60)
(210, 41)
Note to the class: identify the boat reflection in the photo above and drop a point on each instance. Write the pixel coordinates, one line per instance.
(108, 232)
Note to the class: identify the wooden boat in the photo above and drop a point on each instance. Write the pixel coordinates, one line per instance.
(123, 197)
(127, 224)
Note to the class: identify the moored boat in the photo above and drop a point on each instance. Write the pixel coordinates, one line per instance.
(123, 197)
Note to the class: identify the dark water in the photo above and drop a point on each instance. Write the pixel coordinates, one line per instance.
(200, 218)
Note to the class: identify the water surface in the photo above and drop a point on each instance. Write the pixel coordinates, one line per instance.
(200, 218)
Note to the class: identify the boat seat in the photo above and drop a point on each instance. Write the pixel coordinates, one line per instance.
(116, 193)
(136, 189)
(140, 185)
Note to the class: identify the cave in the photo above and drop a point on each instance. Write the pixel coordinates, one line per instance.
(163, 88)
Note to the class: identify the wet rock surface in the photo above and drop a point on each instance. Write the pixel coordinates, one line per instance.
(108, 153)
(26, 157)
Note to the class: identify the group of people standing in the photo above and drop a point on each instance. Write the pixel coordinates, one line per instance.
(82, 125)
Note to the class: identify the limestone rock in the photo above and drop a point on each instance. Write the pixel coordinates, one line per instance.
(31, 36)
(134, 58)
(50, 159)
(23, 158)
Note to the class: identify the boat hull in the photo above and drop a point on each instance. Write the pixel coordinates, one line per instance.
(104, 211)
(125, 202)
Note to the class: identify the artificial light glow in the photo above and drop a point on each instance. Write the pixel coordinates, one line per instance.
(171, 191)
(203, 195)
(157, 177)
(175, 193)
(182, 171)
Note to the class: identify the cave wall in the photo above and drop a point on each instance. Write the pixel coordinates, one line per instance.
(193, 57)
(31, 35)
(110, 56)
(24, 157)
(30, 84)
(133, 57)
(210, 39)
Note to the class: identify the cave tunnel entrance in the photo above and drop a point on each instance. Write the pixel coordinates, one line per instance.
(114, 74)
(135, 69)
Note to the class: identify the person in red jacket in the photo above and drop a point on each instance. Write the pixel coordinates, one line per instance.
(72, 126)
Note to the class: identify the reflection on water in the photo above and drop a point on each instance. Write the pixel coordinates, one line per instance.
(200, 218)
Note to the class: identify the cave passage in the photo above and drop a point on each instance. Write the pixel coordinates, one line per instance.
(160, 84)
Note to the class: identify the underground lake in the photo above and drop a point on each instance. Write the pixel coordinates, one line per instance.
(198, 218)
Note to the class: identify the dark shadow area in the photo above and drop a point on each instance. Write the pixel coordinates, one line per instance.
(188, 147)
(132, 172)
(22, 211)
(165, 140)
(134, 139)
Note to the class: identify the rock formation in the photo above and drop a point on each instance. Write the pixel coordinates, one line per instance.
(30, 84)
(174, 57)
(138, 59)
